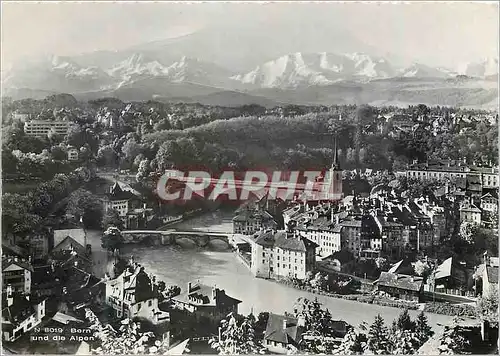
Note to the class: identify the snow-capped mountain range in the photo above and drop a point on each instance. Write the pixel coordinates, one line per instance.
(288, 72)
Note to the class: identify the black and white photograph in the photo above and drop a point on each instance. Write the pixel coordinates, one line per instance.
(233, 178)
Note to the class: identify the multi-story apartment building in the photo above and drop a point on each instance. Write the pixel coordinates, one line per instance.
(351, 235)
(391, 233)
(325, 233)
(436, 215)
(489, 176)
(489, 202)
(252, 217)
(133, 295)
(439, 170)
(40, 128)
(20, 314)
(16, 273)
(278, 254)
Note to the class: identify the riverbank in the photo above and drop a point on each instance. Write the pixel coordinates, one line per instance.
(362, 298)
(178, 266)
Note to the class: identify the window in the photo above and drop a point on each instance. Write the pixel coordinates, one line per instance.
(263, 254)
(150, 303)
(263, 261)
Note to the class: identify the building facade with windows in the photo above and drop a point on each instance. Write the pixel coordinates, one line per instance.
(16, 273)
(282, 254)
(41, 128)
(134, 295)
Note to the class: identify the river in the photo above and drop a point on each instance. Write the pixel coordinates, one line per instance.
(176, 265)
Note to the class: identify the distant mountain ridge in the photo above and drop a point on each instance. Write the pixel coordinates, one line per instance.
(141, 76)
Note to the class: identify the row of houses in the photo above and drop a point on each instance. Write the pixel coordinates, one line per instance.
(484, 177)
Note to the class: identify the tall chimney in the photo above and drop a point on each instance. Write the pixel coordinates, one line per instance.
(189, 287)
(284, 324)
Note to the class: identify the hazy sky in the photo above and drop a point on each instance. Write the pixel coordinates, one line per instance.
(437, 34)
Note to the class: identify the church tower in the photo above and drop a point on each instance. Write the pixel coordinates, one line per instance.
(335, 177)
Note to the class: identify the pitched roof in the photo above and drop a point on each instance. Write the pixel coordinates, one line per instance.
(76, 234)
(284, 240)
(400, 281)
(117, 193)
(275, 330)
(20, 309)
(245, 215)
(75, 246)
(493, 195)
(201, 294)
(444, 269)
(8, 261)
(65, 319)
(13, 249)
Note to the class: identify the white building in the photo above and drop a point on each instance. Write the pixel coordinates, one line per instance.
(325, 233)
(437, 171)
(489, 203)
(16, 273)
(20, 314)
(72, 154)
(117, 199)
(132, 295)
(470, 213)
(278, 254)
(41, 128)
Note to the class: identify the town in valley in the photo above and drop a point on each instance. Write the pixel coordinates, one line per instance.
(398, 255)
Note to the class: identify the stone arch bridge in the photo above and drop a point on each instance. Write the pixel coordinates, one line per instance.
(171, 236)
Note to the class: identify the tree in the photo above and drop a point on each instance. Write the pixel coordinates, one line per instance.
(83, 204)
(487, 306)
(404, 322)
(422, 268)
(111, 238)
(127, 340)
(381, 263)
(317, 323)
(58, 153)
(143, 170)
(353, 343)
(378, 337)
(422, 328)
(467, 231)
(112, 218)
(404, 342)
(319, 282)
(237, 337)
(106, 156)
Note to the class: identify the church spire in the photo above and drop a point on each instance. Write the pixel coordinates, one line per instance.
(335, 163)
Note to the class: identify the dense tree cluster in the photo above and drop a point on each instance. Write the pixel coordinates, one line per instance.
(25, 215)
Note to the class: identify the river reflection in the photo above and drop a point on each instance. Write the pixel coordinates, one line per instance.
(179, 265)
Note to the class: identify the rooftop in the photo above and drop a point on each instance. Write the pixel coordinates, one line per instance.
(284, 240)
(283, 329)
(400, 281)
(76, 234)
(201, 294)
